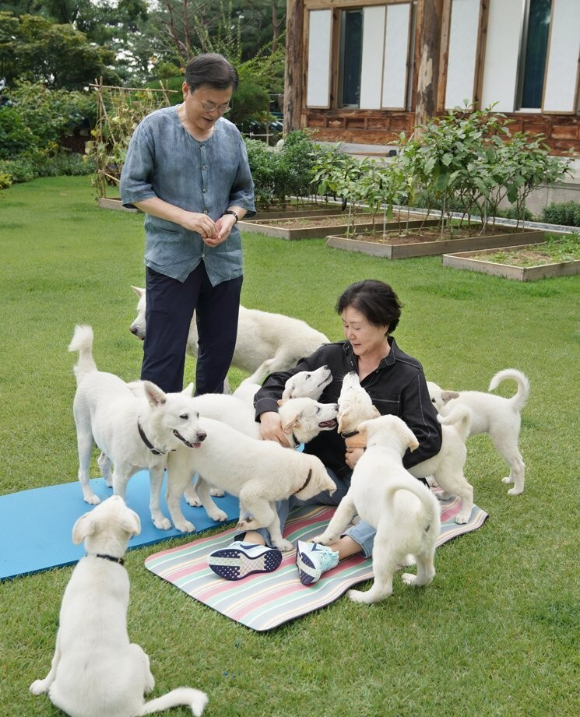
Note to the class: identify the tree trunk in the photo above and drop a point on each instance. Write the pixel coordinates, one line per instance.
(293, 75)
(429, 21)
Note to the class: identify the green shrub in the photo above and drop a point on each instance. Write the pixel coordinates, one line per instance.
(565, 213)
(20, 170)
(5, 180)
(15, 136)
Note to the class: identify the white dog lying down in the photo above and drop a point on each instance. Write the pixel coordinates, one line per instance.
(261, 336)
(302, 420)
(498, 416)
(309, 384)
(96, 671)
(259, 472)
(355, 406)
(403, 510)
(132, 431)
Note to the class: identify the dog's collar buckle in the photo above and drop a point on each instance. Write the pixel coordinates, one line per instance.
(104, 556)
(147, 442)
(350, 434)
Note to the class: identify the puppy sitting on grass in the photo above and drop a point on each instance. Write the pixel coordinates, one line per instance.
(96, 671)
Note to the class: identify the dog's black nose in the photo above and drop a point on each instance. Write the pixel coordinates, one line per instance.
(133, 330)
(201, 436)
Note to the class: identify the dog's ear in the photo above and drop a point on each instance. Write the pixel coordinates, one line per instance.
(412, 442)
(154, 394)
(294, 421)
(138, 291)
(342, 419)
(131, 522)
(447, 396)
(188, 390)
(84, 527)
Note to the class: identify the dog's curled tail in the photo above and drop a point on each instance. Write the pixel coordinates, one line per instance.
(195, 699)
(421, 491)
(519, 400)
(460, 418)
(82, 341)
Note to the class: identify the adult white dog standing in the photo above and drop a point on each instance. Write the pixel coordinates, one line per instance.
(96, 671)
(133, 431)
(261, 336)
(404, 512)
(495, 415)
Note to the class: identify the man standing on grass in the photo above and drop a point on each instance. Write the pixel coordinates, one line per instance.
(187, 169)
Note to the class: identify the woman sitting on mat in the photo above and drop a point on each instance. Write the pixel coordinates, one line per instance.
(370, 312)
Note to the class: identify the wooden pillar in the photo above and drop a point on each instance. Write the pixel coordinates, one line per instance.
(429, 17)
(293, 73)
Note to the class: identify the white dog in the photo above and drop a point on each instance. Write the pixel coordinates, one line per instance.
(355, 406)
(132, 432)
(498, 416)
(96, 671)
(259, 472)
(309, 384)
(261, 336)
(404, 512)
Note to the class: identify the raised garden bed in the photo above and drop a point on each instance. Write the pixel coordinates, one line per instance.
(296, 210)
(521, 263)
(428, 243)
(318, 227)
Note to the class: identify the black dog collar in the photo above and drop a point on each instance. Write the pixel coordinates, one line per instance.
(148, 443)
(307, 481)
(112, 558)
(349, 435)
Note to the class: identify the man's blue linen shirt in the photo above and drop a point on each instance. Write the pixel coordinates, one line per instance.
(165, 161)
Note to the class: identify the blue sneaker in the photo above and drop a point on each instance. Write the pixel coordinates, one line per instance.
(312, 560)
(240, 559)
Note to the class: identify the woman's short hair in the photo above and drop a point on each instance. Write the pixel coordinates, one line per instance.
(376, 301)
(211, 69)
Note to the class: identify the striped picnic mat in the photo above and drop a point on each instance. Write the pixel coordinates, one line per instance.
(264, 601)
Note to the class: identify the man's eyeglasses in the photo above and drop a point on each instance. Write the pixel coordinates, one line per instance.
(212, 107)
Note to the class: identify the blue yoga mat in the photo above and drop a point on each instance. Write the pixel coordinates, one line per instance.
(36, 525)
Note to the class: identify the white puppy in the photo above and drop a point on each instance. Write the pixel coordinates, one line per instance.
(307, 383)
(132, 432)
(498, 416)
(259, 472)
(96, 671)
(355, 406)
(261, 336)
(404, 512)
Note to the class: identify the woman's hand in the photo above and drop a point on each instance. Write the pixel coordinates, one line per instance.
(271, 428)
(352, 456)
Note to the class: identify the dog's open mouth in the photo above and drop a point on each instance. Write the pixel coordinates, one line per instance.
(327, 424)
(187, 443)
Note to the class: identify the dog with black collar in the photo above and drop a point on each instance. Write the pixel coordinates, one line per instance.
(96, 671)
(133, 431)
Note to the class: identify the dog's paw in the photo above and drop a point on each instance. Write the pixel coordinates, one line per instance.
(409, 578)
(91, 499)
(247, 524)
(38, 687)
(219, 516)
(161, 522)
(507, 479)
(515, 491)
(442, 495)
(185, 526)
(216, 492)
(462, 518)
(323, 539)
(192, 499)
(357, 596)
(284, 545)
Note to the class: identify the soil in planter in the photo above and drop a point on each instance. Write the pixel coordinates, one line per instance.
(338, 220)
(430, 234)
(557, 249)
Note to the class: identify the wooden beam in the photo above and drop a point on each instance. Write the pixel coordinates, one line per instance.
(429, 34)
(293, 73)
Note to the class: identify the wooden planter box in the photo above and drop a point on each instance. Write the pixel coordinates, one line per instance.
(465, 260)
(270, 228)
(433, 248)
(115, 203)
(301, 210)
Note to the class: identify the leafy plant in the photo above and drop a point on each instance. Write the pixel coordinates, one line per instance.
(565, 213)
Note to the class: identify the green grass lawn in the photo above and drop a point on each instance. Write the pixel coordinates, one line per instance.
(497, 631)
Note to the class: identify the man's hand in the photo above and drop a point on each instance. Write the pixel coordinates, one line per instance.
(271, 428)
(200, 223)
